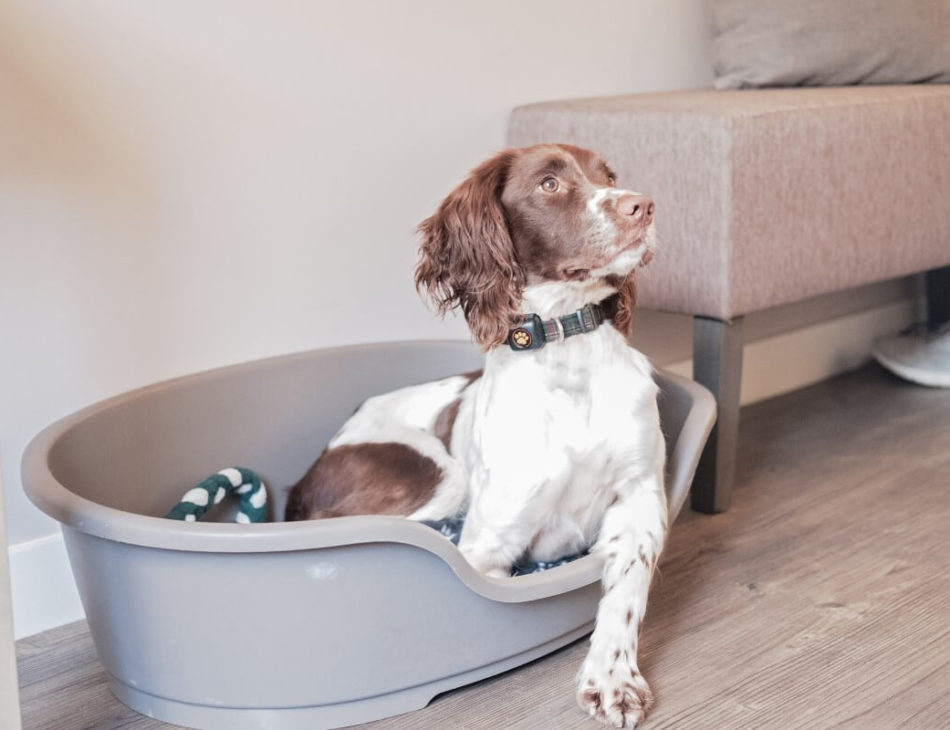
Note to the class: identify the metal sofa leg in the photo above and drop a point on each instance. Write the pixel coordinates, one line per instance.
(717, 364)
(937, 294)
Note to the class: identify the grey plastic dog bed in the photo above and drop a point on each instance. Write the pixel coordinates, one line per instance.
(292, 625)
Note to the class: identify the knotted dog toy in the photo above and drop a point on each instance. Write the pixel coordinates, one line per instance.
(249, 487)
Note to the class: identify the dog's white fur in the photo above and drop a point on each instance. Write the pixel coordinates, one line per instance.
(553, 450)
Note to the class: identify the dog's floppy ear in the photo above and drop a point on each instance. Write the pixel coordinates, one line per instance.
(626, 301)
(467, 257)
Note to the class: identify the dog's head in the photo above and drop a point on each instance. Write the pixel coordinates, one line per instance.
(548, 213)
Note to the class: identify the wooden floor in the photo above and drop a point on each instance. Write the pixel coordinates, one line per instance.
(821, 599)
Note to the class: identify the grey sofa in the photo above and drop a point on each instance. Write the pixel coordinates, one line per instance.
(766, 197)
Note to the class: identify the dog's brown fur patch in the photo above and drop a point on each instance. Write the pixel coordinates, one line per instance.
(364, 479)
(445, 421)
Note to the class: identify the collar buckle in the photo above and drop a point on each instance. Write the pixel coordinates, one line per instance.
(591, 317)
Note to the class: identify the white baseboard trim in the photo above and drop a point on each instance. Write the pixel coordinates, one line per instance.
(793, 360)
(45, 596)
(44, 593)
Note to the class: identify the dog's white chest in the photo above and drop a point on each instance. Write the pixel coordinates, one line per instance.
(566, 424)
(574, 397)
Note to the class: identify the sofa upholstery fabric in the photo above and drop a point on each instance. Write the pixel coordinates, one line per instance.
(775, 195)
(829, 42)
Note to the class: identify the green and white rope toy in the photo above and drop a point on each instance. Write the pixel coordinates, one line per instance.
(245, 483)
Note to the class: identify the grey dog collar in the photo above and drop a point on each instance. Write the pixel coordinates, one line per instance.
(534, 333)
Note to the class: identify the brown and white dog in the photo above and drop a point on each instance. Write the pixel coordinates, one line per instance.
(549, 450)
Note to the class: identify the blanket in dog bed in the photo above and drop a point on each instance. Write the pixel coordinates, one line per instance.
(451, 528)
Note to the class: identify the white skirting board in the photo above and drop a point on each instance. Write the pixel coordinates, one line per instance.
(9, 692)
(44, 595)
(806, 356)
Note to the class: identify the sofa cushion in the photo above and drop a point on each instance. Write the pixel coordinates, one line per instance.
(829, 43)
(766, 197)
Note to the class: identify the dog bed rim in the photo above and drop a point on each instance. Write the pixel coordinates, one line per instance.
(110, 523)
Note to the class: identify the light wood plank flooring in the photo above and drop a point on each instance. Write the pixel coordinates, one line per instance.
(821, 599)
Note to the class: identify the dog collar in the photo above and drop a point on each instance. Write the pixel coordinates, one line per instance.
(534, 333)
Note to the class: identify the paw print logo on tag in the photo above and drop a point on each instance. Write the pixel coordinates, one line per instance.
(521, 338)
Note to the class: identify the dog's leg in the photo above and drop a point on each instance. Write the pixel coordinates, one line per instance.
(610, 686)
(450, 496)
(502, 522)
(492, 550)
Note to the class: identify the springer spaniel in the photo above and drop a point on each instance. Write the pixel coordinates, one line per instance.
(556, 445)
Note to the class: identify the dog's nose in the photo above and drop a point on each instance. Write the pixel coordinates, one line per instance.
(638, 207)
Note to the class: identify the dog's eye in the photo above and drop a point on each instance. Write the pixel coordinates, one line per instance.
(549, 185)
(611, 178)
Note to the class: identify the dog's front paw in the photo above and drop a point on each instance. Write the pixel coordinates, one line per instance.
(614, 693)
(486, 563)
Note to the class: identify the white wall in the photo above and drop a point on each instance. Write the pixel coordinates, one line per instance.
(190, 184)
(9, 690)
